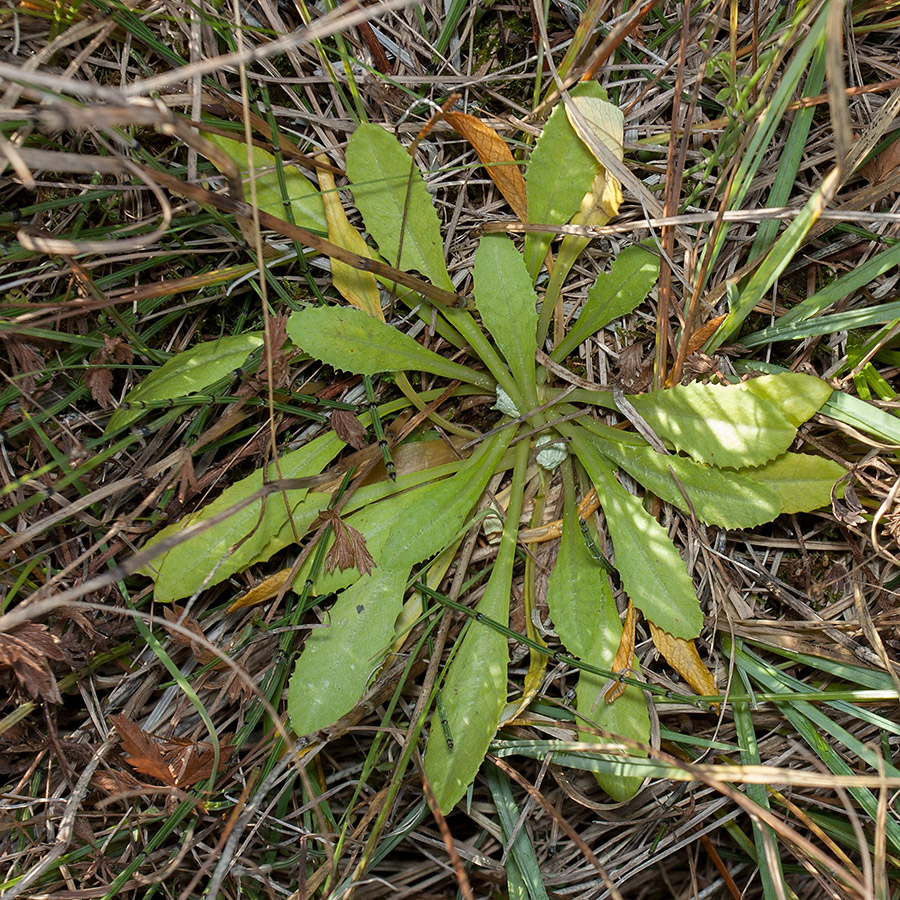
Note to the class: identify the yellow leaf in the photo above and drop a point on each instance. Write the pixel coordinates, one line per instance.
(265, 590)
(683, 657)
(494, 153)
(624, 655)
(357, 287)
(607, 124)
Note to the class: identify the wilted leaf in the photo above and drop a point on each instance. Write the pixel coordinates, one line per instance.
(624, 660)
(683, 657)
(265, 590)
(494, 153)
(27, 649)
(391, 195)
(356, 286)
(607, 125)
(187, 373)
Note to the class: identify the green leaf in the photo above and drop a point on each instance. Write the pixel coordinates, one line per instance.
(304, 198)
(614, 294)
(652, 571)
(474, 694)
(798, 397)
(579, 598)
(718, 497)
(508, 305)
(187, 373)
(348, 339)
(474, 690)
(627, 716)
(339, 659)
(408, 527)
(251, 535)
(585, 617)
(733, 426)
(803, 482)
(391, 195)
(559, 174)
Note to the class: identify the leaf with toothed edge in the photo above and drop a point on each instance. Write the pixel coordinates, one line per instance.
(348, 339)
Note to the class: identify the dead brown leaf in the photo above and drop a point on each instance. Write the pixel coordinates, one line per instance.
(26, 363)
(624, 654)
(496, 157)
(98, 379)
(178, 764)
(349, 549)
(883, 165)
(348, 428)
(144, 755)
(683, 657)
(202, 654)
(27, 650)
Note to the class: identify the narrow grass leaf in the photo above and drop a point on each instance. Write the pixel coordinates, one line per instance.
(523, 869)
(775, 262)
(507, 303)
(339, 659)
(817, 729)
(652, 571)
(348, 339)
(616, 293)
(391, 195)
(188, 373)
(843, 321)
(251, 535)
(304, 200)
(802, 481)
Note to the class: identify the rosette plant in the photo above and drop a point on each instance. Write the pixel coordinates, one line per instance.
(719, 452)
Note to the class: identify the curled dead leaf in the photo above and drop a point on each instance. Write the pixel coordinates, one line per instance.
(28, 650)
(683, 657)
(496, 156)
